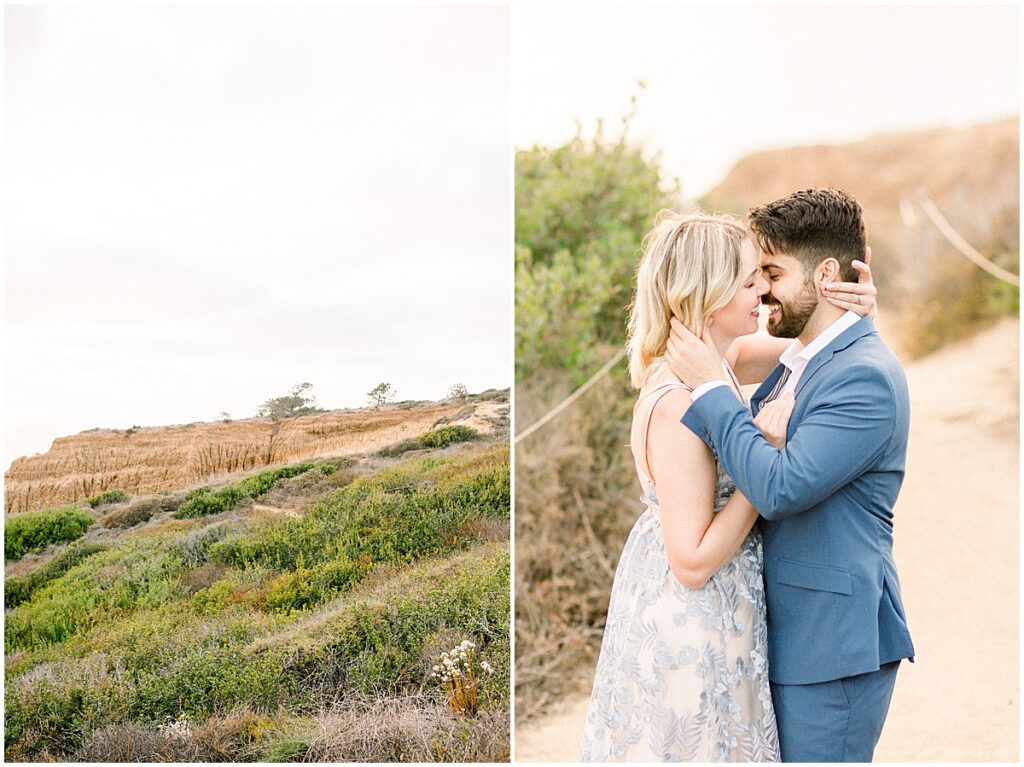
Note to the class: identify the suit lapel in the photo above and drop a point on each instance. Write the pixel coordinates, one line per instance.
(861, 328)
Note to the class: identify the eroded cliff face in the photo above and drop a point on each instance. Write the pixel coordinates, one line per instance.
(971, 174)
(150, 459)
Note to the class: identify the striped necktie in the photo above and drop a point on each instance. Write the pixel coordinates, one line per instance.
(777, 389)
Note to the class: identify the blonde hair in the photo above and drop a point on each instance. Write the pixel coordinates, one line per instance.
(690, 269)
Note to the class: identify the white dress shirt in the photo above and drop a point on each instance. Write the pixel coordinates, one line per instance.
(797, 355)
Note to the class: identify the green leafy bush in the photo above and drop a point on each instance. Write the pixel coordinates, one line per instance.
(35, 530)
(141, 510)
(18, 590)
(111, 583)
(305, 587)
(111, 496)
(376, 646)
(447, 435)
(205, 501)
(582, 210)
(400, 448)
(442, 437)
(397, 515)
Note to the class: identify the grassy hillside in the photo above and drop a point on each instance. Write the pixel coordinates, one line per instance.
(297, 614)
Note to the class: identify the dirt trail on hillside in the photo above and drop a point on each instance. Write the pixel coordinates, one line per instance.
(957, 534)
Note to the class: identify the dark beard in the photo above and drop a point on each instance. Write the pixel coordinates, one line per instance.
(794, 316)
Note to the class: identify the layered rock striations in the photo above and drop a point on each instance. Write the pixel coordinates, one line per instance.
(147, 460)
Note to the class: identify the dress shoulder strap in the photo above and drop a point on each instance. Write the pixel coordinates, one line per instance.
(649, 402)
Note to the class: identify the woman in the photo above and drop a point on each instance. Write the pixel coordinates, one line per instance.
(682, 674)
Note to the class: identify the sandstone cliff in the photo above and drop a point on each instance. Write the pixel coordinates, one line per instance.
(150, 459)
(971, 174)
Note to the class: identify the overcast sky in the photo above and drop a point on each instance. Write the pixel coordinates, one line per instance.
(206, 206)
(724, 81)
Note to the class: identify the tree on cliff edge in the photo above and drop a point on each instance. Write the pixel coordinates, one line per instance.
(295, 403)
(381, 394)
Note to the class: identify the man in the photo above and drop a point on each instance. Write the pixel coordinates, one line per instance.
(836, 625)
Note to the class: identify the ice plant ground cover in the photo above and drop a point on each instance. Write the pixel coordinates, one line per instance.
(245, 635)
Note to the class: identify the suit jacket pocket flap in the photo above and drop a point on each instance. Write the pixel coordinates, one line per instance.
(816, 577)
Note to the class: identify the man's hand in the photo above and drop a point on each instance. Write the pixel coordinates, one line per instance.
(773, 419)
(695, 361)
(856, 296)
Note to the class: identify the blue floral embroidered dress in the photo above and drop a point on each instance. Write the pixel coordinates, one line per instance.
(683, 673)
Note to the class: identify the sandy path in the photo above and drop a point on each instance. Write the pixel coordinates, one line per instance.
(957, 542)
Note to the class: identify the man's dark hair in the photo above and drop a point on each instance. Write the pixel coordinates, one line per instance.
(812, 225)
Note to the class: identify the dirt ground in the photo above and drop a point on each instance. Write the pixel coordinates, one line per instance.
(957, 549)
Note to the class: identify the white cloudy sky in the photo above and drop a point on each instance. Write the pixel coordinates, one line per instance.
(208, 205)
(723, 81)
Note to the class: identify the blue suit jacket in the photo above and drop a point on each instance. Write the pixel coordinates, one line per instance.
(826, 500)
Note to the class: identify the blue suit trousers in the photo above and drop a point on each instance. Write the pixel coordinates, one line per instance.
(837, 721)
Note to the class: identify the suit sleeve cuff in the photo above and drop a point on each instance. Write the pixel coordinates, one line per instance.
(704, 388)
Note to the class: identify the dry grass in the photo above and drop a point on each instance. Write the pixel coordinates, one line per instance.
(576, 499)
(238, 735)
(408, 730)
(141, 510)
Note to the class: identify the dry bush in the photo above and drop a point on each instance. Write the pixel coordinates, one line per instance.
(407, 730)
(484, 529)
(576, 499)
(231, 737)
(961, 301)
(234, 736)
(134, 742)
(141, 510)
(204, 576)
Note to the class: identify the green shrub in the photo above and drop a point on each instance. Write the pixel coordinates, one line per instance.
(310, 586)
(101, 588)
(18, 590)
(442, 437)
(156, 668)
(447, 435)
(397, 515)
(331, 465)
(204, 501)
(376, 647)
(111, 496)
(35, 530)
(581, 211)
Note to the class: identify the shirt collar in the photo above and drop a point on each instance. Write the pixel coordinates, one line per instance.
(798, 355)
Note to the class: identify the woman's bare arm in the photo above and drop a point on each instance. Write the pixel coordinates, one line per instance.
(697, 541)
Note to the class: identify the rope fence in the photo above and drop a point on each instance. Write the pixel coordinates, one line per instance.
(961, 244)
(605, 369)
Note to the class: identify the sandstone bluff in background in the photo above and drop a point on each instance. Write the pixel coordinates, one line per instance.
(971, 174)
(150, 459)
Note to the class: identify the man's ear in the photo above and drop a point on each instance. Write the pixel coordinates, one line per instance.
(828, 271)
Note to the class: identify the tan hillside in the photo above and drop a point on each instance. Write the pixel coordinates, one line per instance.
(149, 459)
(971, 174)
